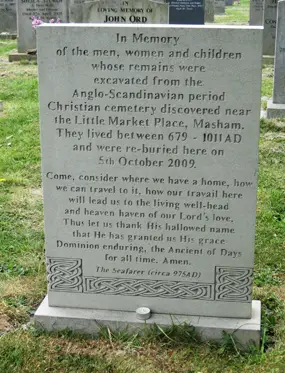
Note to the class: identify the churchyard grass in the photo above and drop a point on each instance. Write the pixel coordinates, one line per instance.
(238, 14)
(22, 268)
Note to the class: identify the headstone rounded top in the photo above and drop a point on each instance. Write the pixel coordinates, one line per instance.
(143, 313)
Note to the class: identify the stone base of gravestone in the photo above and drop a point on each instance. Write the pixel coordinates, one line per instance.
(7, 36)
(275, 110)
(246, 332)
(16, 57)
(268, 60)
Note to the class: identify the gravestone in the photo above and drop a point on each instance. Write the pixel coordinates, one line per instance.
(186, 12)
(46, 10)
(229, 2)
(269, 22)
(137, 11)
(256, 12)
(118, 11)
(149, 164)
(219, 7)
(8, 19)
(276, 107)
(209, 11)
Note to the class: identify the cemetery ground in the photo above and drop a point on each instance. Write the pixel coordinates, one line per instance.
(22, 268)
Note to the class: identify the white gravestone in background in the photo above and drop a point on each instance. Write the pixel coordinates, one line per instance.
(149, 158)
(46, 10)
(256, 12)
(219, 7)
(118, 11)
(276, 106)
(269, 22)
(8, 19)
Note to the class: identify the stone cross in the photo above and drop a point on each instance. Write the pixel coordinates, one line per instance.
(276, 107)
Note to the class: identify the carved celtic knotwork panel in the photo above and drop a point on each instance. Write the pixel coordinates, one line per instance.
(148, 288)
(233, 284)
(65, 274)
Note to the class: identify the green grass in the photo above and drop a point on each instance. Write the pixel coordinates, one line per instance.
(238, 14)
(22, 268)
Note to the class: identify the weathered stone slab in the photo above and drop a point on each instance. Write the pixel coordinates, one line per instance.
(276, 108)
(150, 172)
(209, 11)
(219, 6)
(256, 12)
(269, 22)
(246, 333)
(118, 11)
(46, 10)
(8, 18)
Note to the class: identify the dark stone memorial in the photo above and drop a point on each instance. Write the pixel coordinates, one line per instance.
(186, 12)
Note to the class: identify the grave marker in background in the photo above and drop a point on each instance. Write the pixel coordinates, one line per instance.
(186, 12)
(118, 11)
(209, 11)
(44, 9)
(269, 22)
(150, 174)
(219, 7)
(256, 12)
(276, 107)
(8, 18)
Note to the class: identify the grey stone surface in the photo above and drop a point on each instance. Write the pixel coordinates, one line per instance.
(118, 11)
(16, 57)
(279, 67)
(86, 321)
(229, 2)
(150, 172)
(8, 18)
(276, 106)
(219, 7)
(256, 12)
(269, 22)
(275, 111)
(209, 11)
(46, 10)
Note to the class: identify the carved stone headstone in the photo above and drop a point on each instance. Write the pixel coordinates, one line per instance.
(186, 12)
(276, 107)
(8, 18)
(256, 12)
(269, 22)
(219, 6)
(118, 11)
(46, 10)
(149, 163)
